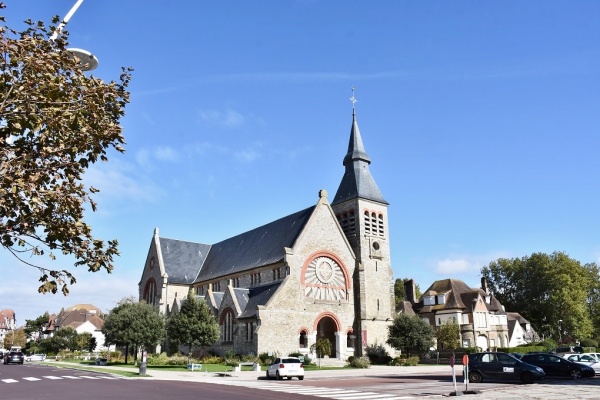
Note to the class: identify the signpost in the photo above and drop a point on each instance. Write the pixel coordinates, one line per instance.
(453, 373)
(465, 361)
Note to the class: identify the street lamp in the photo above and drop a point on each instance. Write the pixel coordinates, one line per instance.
(87, 61)
(473, 304)
(559, 330)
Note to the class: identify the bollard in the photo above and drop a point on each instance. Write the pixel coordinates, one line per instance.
(142, 369)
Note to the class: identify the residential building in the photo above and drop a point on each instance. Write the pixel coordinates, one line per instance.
(83, 318)
(482, 319)
(8, 323)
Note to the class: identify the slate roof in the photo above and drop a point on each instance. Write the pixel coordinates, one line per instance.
(261, 246)
(242, 297)
(357, 181)
(182, 260)
(458, 295)
(258, 296)
(74, 317)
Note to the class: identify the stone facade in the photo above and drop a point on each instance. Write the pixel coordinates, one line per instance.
(323, 272)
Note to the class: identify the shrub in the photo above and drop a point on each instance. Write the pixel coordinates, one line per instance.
(177, 359)
(212, 360)
(230, 354)
(377, 354)
(412, 361)
(588, 343)
(404, 361)
(232, 362)
(359, 362)
(158, 359)
(249, 358)
(267, 359)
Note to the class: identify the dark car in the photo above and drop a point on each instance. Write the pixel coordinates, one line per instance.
(14, 357)
(501, 366)
(554, 365)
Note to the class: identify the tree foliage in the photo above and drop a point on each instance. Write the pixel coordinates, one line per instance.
(547, 288)
(35, 327)
(15, 337)
(322, 347)
(448, 335)
(400, 293)
(193, 325)
(54, 123)
(410, 334)
(135, 324)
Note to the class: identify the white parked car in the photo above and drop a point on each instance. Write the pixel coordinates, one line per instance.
(586, 359)
(286, 367)
(35, 357)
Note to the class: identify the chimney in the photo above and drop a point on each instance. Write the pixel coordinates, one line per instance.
(484, 285)
(409, 291)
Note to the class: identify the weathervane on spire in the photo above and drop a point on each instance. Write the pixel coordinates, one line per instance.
(353, 99)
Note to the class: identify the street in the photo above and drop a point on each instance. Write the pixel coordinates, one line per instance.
(377, 383)
(31, 381)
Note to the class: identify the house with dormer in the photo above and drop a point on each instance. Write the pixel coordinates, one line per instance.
(482, 319)
(323, 272)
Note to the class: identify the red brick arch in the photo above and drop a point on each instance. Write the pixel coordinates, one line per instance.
(336, 320)
(339, 262)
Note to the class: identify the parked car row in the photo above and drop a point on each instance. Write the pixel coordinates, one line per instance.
(528, 368)
(17, 357)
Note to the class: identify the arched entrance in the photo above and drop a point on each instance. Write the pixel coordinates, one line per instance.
(482, 342)
(326, 329)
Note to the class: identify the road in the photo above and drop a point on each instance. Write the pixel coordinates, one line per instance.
(47, 380)
(30, 381)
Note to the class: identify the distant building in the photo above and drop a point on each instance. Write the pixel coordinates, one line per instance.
(82, 318)
(8, 323)
(321, 272)
(482, 319)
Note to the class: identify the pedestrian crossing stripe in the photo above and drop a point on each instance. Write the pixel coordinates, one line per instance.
(52, 377)
(32, 379)
(9, 381)
(316, 391)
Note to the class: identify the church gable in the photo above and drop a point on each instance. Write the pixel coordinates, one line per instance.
(321, 261)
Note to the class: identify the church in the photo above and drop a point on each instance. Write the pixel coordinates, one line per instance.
(321, 272)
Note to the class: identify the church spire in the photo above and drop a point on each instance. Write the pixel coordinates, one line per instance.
(357, 180)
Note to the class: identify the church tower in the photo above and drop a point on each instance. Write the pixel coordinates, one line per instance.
(363, 215)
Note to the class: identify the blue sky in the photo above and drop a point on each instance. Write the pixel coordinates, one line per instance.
(481, 120)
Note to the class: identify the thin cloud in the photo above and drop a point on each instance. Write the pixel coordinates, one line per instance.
(464, 264)
(247, 155)
(227, 119)
(119, 182)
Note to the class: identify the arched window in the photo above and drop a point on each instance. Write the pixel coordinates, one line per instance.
(303, 340)
(227, 322)
(367, 222)
(350, 338)
(150, 291)
(380, 224)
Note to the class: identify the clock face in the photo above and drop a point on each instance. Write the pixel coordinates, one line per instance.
(324, 280)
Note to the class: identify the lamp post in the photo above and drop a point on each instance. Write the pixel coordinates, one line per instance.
(474, 303)
(87, 61)
(559, 330)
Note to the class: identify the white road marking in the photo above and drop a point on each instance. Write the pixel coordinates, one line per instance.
(52, 377)
(9, 381)
(31, 379)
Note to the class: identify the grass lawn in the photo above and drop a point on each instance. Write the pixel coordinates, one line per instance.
(90, 365)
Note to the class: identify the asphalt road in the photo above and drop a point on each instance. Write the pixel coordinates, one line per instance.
(45, 380)
(30, 381)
